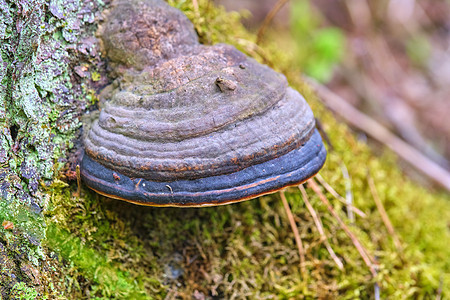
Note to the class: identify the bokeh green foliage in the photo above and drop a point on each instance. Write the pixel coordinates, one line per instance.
(317, 49)
(418, 49)
(114, 249)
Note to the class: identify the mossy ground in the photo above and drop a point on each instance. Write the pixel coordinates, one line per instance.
(112, 249)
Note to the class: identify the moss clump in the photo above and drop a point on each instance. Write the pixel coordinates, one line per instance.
(101, 248)
(246, 249)
(21, 291)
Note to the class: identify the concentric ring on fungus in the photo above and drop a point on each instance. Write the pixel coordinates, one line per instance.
(192, 125)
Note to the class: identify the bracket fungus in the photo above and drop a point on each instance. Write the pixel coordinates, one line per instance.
(186, 124)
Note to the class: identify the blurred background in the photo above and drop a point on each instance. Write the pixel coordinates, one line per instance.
(390, 59)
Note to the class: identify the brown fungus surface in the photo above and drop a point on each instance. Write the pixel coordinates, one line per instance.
(188, 124)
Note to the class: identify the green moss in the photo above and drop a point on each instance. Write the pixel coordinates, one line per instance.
(98, 231)
(23, 292)
(95, 76)
(213, 24)
(248, 248)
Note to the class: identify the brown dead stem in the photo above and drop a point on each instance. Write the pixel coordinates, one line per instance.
(386, 82)
(78, 192)
(335, 194)
(196, 8)
(384, 215)
(369, 261)
(254, 50)
(298, 240)
(348, 193)
(268, 19)
(319, 226)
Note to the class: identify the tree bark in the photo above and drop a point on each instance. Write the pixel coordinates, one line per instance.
(48, 55)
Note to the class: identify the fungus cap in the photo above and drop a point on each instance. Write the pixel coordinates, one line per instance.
(193, 125)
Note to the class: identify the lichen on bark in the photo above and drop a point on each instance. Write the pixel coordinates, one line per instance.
(41, 43)
(41, 101)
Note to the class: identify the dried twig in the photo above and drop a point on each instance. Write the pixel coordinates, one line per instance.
(319, 226)
(362, 251)
(78, 192)
(376, 291)
(383, 214)
(269, 17)
(335, 194)
(196, 8)
(380, 133)
(254, 50)
(298, 240)
(359, 13)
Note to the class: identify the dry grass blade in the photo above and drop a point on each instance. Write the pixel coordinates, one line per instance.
(253, 50)
(78, 192)
(348, 193)
(360, 14)
(269, 18)
(383, 213)
(319, 226)
(336, 195)
(376, 291)
(367, 259)
(298, 240)
(196, 8)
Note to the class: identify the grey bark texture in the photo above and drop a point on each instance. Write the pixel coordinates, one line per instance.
(48, 68)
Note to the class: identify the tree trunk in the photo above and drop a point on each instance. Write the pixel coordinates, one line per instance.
(46, 65)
